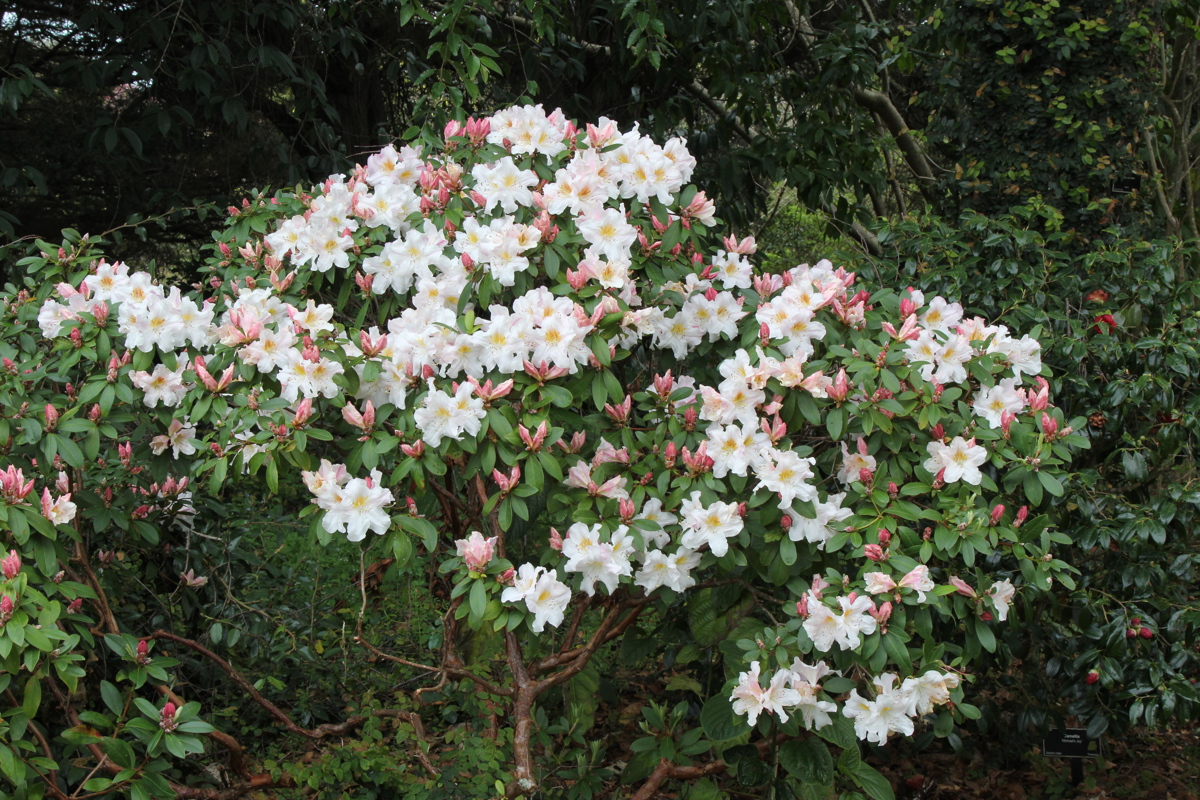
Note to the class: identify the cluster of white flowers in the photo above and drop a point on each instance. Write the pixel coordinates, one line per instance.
(606, 562)
(149, 318)
(958, 461)
(445, 415)
(789, 689)
(712, 525)
(352, 506)
(543, 594)
(163, 385)
(891, 710)
(946, 342)
(896, 704)
(180, 437)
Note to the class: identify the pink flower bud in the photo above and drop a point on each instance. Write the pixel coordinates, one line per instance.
(893, 490)
(874, 552)
(802, 606)
(786, 522)
(143, 648)
(11, 564)
(883, 613)
(476, 551)
(885, 536)
(1039, 400)
(304, 412)
(840, 389)
(1022, 515)
(1092, 677)
(1006, 420)
(167, 719)
(626, 510)
(1049, 425)
(353, 416)
(937, 432)
(51, 417)
(6, 607)
(453, 128)
(506, 577)
(866, 476)
(75, 605)
(986, 616)
(997, 514)
(100, 313)
(962, 587)
(556, 542)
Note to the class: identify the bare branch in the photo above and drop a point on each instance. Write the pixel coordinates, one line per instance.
(914, 155)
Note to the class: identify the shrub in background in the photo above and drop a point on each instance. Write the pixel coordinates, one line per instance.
(1119, 331)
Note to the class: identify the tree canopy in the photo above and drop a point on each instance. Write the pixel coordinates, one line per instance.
(866, 109)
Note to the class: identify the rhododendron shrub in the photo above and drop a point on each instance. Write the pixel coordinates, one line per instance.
(525, 357)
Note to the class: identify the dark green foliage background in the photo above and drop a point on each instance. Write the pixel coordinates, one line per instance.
(1058, 136)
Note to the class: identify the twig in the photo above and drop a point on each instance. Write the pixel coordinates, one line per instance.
(320, 732)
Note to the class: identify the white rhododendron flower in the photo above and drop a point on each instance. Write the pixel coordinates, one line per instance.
(961, 460)
(1002, 593)
(750, 698)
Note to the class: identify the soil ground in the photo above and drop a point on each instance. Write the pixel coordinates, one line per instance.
(1143, 765)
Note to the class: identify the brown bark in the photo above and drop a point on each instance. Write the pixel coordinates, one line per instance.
(880, 104)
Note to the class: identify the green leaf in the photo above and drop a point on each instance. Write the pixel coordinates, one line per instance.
(1033, 488)
(719, 722)
(32, 699)
(273, 476)
(478, 599)
(112, 698)
(1051, 483)
(840, 733)
(835, 422)
(402, 548)
(217, 477)
(422, 529)
(120, 752)
(872, 782)
(808, 761)
(559, 395)
(898, 652)
(987, 639)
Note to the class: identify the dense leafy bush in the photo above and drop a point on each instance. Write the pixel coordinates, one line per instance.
(1119, 333)
(812, 504)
